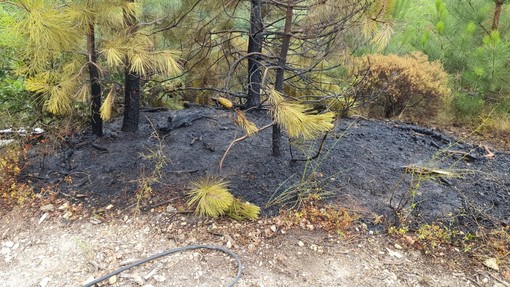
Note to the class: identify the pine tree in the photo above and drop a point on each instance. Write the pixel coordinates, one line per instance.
(56, 37)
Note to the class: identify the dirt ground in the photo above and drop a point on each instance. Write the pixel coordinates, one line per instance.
(39, 250)
(83, 225)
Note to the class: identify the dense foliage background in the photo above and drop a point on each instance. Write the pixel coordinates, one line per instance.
(199, 50)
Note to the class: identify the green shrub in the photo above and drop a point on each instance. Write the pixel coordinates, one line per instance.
(467, 106)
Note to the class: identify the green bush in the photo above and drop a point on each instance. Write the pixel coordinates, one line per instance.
(467, 106)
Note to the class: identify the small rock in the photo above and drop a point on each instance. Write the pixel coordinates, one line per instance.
(159, 278)
(273, 228)
(95, 221)
(398, 246)
(394, 253)
(110, 206)
(43, 217)
(485, 280)
(44, 282)
(491, 263)
(64, 206)
(8, 244)
(47, 207)
(170, 209)
(150, 274)
(300, 243)
(5, 251)
(314, 247)
(138, 280)
(112, 280)
(67, 215)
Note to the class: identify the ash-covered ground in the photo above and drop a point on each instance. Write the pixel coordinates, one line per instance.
(376, 167)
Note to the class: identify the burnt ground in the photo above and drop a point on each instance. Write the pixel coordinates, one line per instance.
(361, 167)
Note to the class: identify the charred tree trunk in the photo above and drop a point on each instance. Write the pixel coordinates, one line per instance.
(131, 88)
(131, 101)
(280, 73)
(497, 14)
(254, 50)
(95, 87)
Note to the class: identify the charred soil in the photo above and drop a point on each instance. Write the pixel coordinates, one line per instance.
(387, 168)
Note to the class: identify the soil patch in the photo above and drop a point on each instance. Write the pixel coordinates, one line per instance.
(377, 167)
(56, 252)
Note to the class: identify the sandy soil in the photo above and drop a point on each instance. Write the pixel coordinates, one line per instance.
(58, 252)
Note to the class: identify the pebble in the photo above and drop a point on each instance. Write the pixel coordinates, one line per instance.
(170, 209)
(112, 280)
(491, 263)
(8, 244)
(47, 207)
(159, 278)
(44, 282)
(301, 243)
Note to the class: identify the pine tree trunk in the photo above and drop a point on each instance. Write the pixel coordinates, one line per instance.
(497, 14)
(280, 73)
(95, 87)
(131, 101)
(131, 88)
(254, 49)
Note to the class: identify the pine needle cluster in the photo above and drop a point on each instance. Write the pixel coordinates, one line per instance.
(295, 120)
(211, 197)
(248, 126)
(242, 210)
(106, 107)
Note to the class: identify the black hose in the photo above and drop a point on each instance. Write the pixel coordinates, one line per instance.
(171, 251)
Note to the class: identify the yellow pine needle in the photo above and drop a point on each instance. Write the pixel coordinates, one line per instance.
(83, 93)
(106, 107)
(248, 126)
(211, 197)
(240, 210)
(295, 121)
(226, 103)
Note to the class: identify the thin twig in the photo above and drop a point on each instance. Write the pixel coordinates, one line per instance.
(238, 140)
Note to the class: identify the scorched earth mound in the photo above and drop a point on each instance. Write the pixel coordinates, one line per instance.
(377, 167)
